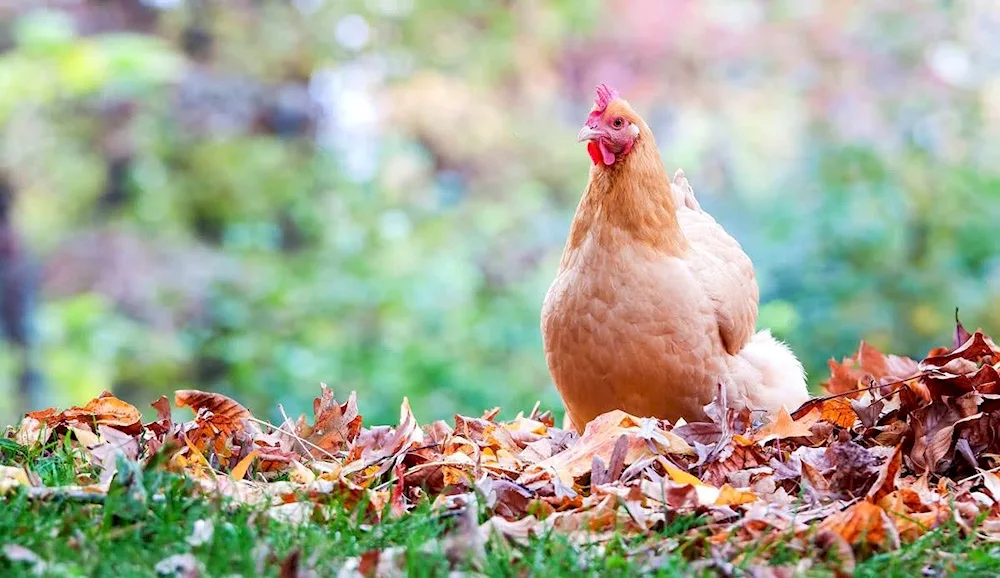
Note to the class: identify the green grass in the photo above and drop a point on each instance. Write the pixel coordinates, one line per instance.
(151, 514)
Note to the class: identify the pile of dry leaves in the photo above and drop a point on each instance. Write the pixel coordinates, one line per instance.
(898, 448)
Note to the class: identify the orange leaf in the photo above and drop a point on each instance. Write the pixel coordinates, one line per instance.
(240, 471)
(107, 410)
(730, 496)
(916, 524)
(217, 417)
(213, 402)
(886, 482)
(784, 427)
(163, 421)
(336, 424)
(864, 522)
(838, 411)
(867, 364)
(50, 416)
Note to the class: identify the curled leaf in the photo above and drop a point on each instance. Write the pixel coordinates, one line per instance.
(106, 410)
(214, 402)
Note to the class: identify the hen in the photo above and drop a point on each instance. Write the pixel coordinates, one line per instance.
(655, 305)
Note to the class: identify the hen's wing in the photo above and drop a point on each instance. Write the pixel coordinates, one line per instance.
(723, 269)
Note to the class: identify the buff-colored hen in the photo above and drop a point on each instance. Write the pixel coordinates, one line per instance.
(655, 305)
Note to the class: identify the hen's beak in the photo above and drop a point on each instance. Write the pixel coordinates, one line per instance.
(587, 133)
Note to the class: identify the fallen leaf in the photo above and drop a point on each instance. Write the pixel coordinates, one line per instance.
(50, 416)
(867, 366)
(599, 438)
(163, 421)
(335, 424)
(868, 413)
(85, 436)
(682, 477)
(114, 443)
(885, 484)
(106, 410)
(32, 432)
(961, 335)
(241, 469)
(730, 496)
(518, 531)
(12, 477)
(784, 427)
(216, 403)
(863, 523)
(992, 483)
(295, 513)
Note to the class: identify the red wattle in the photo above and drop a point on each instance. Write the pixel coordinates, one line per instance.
(594, 151)
(606, 155)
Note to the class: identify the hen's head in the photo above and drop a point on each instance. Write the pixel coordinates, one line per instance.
(611, 129)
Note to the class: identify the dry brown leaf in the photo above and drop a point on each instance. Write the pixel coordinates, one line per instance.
(885, 484)
(163, 420)
(48, 416)
(863, 523)
(599, 438)
(216, 403)
(85, 436)
(217, 419)
(106, 410)
(784, 427)
(867, 366)
(335, 424)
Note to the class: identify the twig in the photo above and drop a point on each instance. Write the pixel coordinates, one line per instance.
(888, 395)
(295, 436)
(404, 452)
(812, 403)
(304, 442)
(72, 494)
(873, 386)
(977, 474)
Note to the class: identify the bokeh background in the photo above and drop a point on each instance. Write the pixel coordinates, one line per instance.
(255, 196)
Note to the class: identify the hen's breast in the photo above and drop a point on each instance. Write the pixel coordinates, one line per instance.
(626, 327)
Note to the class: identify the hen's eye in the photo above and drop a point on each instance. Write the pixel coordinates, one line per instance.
(618, 122)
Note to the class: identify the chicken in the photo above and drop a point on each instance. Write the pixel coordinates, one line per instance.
(655, 305)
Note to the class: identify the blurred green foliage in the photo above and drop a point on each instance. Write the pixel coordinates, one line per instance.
(254, 197)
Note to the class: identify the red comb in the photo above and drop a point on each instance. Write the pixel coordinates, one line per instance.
(605, 94)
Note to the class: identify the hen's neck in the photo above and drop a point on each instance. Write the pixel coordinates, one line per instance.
(633, 195)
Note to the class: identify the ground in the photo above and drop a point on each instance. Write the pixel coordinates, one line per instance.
(129, 533)
(894, 473)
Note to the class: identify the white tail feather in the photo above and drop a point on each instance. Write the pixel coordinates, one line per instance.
(783, 380)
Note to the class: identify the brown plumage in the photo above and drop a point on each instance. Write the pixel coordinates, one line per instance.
(654, 305)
